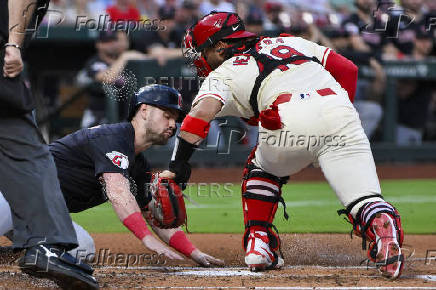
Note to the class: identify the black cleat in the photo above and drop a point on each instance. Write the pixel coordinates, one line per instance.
(52, 262)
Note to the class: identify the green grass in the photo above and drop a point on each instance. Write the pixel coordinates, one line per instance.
(311, 206)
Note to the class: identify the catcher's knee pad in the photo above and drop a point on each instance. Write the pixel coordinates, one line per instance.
(261, 193)
(367, 213)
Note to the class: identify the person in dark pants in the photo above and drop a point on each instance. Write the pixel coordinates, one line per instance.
(42, 225)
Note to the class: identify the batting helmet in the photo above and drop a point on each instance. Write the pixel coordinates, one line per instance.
(157, 95)
(207, 32)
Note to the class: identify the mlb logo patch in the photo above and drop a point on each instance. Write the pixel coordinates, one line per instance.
(118, 159)
(304, 96)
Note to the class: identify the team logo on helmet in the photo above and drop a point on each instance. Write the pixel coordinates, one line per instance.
(118, 159)
(179, 99)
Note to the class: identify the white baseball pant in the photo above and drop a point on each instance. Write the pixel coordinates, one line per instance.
(326, 131)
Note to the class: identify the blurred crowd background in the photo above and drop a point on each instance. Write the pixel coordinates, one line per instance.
(369, 32)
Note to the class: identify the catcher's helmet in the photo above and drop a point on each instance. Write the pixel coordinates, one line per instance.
(207, 32)
(159, 96)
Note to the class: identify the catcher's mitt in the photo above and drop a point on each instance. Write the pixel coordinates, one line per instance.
(167, 206)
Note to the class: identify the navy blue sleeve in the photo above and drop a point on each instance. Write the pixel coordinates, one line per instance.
(111, 154)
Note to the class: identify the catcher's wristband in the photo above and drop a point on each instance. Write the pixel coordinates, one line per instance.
(195, 126)
(180, 242)
(136, 224)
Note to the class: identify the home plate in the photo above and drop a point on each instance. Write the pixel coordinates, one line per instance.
(217, 273)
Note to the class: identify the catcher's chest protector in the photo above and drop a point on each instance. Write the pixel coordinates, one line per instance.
(270, 118)
(266, 66)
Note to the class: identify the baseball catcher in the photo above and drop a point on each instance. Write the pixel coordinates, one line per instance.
(291, 88)
(105, 163)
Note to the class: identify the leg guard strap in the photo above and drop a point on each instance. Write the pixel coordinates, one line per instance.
(253, 171)
(263, 179)
(353, 204)
(355, 222)
(272, 199)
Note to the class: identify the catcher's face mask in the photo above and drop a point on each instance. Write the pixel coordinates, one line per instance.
(194, 57)
(206, 33)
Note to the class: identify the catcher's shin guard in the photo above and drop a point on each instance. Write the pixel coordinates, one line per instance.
(261, 193)
(379, 223)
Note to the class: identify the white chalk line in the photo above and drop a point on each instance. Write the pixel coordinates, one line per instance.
(242, 271)
(180, 268)
(246, 273)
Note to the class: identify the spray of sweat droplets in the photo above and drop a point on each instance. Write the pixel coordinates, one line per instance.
(120, 87)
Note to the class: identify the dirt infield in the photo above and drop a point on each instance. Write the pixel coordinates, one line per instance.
(322, 260)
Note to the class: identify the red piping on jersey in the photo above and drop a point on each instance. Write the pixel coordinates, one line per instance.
(344, 71)
(322, 62)
(210, 94)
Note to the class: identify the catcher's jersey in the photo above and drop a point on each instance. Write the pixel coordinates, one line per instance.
(232, 82)
(82, 157)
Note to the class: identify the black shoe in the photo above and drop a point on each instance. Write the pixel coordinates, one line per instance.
(51, 262)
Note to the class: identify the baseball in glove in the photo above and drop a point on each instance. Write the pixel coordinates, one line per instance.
(167, 206)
